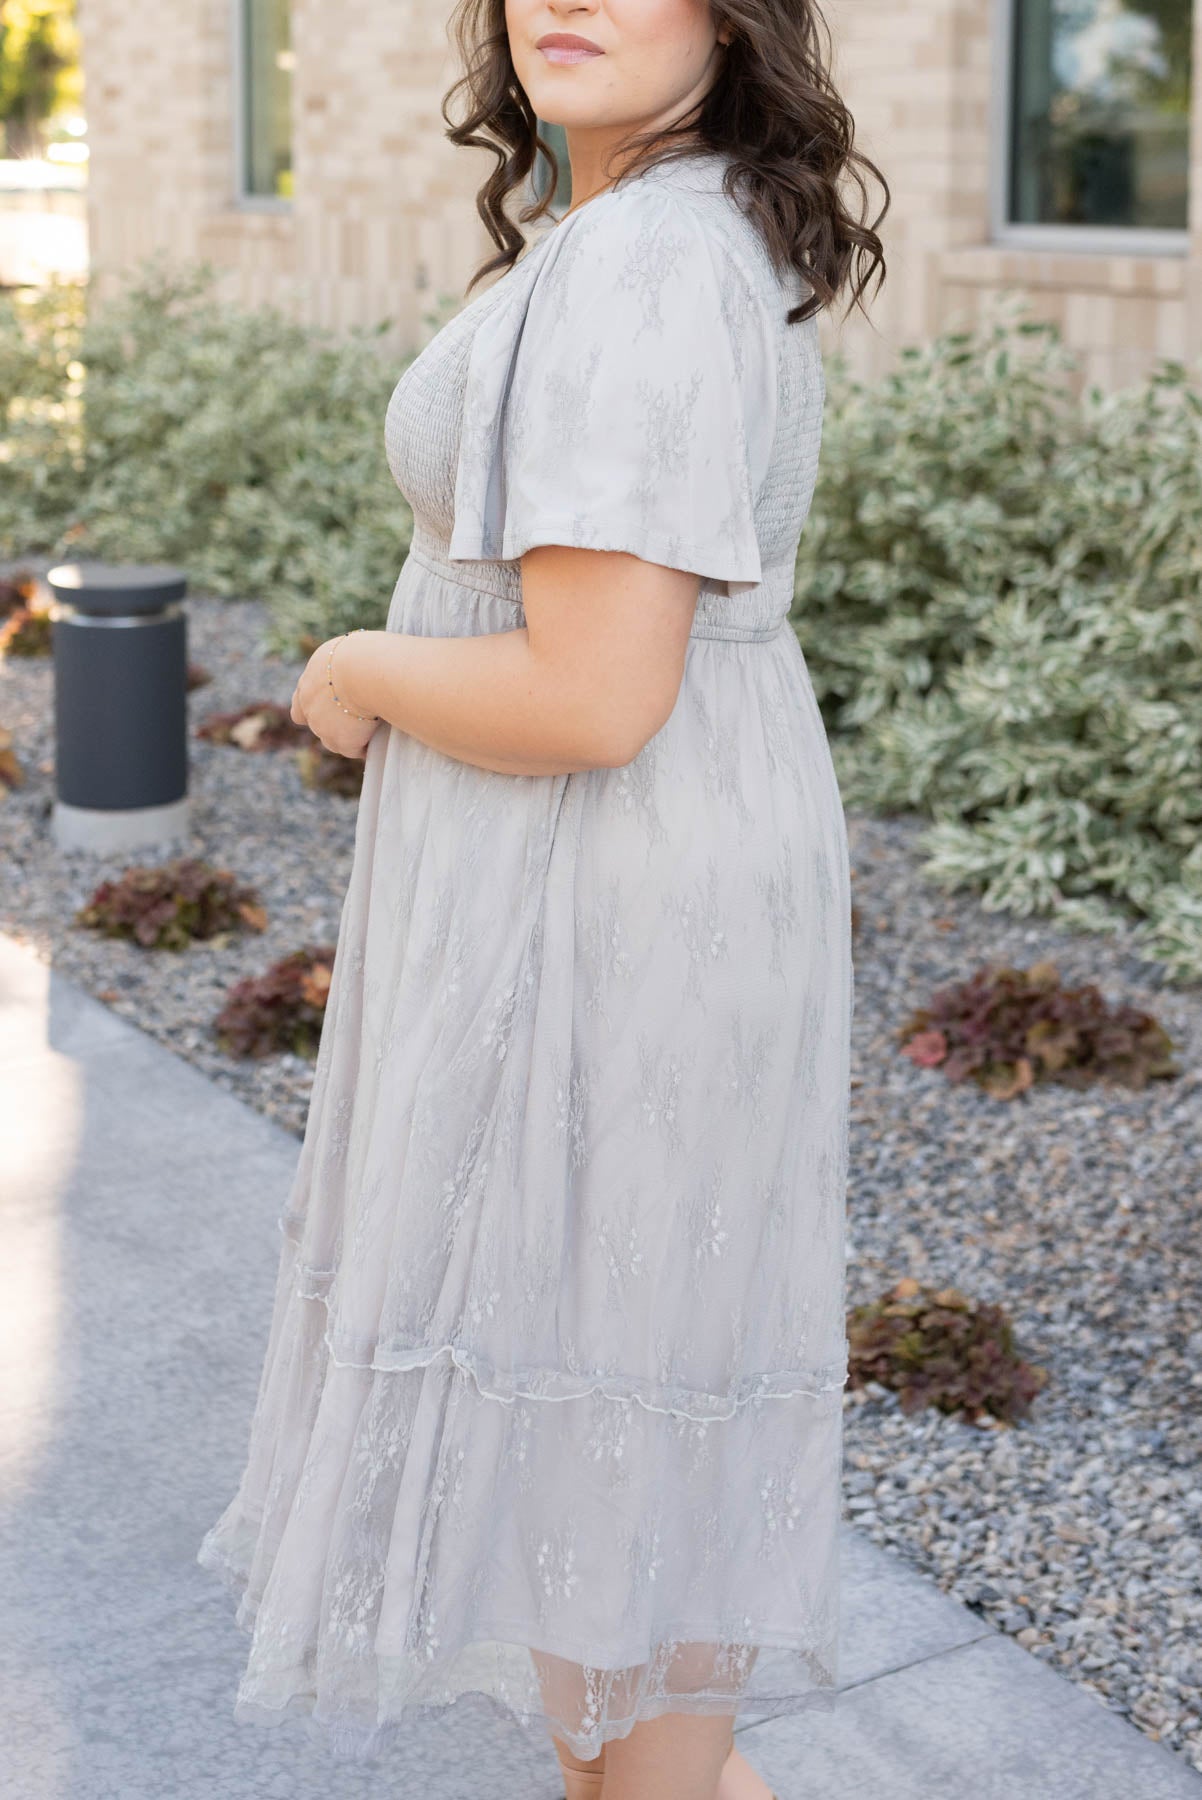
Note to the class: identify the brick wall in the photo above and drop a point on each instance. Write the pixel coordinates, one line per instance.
(383, 226)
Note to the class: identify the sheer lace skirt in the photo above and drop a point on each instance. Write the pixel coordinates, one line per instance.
(582, 1562)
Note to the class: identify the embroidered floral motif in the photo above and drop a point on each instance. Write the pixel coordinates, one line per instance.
(556, 1561)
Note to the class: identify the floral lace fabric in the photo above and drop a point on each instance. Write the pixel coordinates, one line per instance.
(551, 1403)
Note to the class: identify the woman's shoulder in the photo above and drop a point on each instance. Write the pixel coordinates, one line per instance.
(627, 394)
(672, 226)
(669, 233)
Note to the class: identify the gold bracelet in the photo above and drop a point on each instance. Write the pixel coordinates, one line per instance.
(330, 678)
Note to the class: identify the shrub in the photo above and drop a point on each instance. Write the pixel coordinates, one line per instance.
(41, 407)
(1008, 1028)
(239, 444)
(936, 1347)
(262, 725)
(997, 596)
(170, 906)
(280, 1010)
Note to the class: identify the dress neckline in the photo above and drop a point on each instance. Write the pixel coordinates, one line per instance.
(702, 170)
(703, 161)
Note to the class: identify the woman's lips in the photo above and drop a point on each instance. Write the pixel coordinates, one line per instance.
(568, 53)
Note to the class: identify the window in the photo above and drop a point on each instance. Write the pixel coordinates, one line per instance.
(265, 60)
(1099, 115)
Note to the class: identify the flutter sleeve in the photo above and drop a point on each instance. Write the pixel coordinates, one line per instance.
(624, 398)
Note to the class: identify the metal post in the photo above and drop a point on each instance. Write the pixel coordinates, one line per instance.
(120, 701)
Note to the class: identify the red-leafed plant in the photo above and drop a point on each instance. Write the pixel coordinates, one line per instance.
(172, 905)
(282, 1009)
(27, 631)
(1008, 1028)
(263, 725)
(18, 592)
(936, 1347)
(11, 773)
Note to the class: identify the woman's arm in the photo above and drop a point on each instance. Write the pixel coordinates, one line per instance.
(592, 675)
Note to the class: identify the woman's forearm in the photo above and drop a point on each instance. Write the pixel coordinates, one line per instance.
(485, 699)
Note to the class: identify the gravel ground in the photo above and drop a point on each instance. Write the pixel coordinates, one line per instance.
(1080, 1530)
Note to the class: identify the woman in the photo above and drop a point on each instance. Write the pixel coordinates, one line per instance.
(551, 1404)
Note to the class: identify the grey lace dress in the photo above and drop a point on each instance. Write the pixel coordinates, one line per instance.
(557, 1352)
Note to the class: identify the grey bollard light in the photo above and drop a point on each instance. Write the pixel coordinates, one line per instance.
(120, 705)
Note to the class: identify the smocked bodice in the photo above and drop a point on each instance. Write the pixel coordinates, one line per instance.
(472, 365)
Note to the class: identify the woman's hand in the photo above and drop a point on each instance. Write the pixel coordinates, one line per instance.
(313, 705)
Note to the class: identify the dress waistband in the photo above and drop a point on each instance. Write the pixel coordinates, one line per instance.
(743, 634)
(503, 581)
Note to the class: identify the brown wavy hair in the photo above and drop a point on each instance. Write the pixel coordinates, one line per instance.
(772, 110)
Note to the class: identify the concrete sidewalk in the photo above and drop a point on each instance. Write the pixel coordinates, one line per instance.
(138, 1205)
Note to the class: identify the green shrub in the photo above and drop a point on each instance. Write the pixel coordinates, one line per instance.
(240, 444)
(1008, 1028)
(998, 599)
(41, 414)
(936, 1347)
